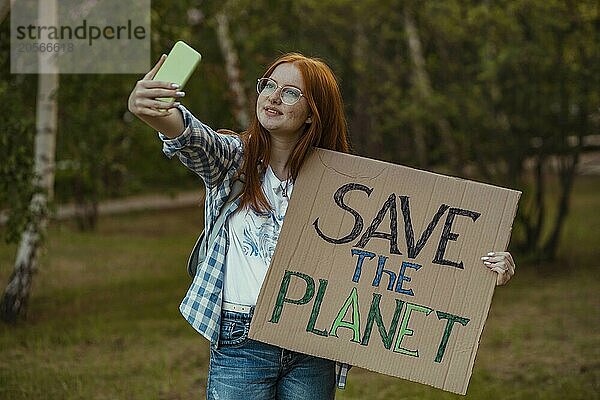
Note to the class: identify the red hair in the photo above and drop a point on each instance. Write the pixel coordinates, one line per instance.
(327, 130)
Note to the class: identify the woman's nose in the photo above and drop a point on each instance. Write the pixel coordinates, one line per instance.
(275, 97)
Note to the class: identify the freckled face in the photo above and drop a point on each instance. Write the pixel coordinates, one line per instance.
(278, 118)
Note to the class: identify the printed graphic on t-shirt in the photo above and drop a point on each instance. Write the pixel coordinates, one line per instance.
(260, 235)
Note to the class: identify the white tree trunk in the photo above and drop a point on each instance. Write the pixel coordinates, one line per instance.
(360, 124)
(423, 86)
(240, 110)
(16, 294)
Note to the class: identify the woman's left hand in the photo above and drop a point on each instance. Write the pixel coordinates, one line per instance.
(501, 262)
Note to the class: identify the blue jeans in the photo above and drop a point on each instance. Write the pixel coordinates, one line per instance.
(242, 368)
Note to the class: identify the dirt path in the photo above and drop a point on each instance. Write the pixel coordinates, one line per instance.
(133, 203)
(139, 203)
(589, 165)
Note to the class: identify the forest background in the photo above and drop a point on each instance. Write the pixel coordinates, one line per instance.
(503, 92)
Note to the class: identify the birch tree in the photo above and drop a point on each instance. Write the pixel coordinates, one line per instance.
(422, 86)
(240, 102)
(16, 294)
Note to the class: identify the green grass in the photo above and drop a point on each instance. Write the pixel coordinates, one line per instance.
(103, 319)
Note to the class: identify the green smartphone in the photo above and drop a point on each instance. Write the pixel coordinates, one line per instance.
(178, 67)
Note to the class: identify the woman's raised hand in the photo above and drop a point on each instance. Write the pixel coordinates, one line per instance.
(142, 100)
(501, 262)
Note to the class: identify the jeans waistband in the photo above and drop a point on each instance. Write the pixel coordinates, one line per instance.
(236, 316)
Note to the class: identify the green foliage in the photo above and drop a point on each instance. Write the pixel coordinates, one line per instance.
(17, 183)
(92, 141)
(17, 128)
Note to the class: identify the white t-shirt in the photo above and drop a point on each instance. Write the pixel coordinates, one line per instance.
(252, 240)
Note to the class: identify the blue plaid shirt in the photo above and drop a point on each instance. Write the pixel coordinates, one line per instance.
(216, 158)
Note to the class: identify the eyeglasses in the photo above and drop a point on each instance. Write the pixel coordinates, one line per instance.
(289, 95)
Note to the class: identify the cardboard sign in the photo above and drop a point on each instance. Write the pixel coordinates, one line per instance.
(378, 266)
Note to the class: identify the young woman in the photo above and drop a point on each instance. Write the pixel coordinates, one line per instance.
(299, 106)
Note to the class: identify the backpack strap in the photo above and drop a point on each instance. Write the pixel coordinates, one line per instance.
(203, 243)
